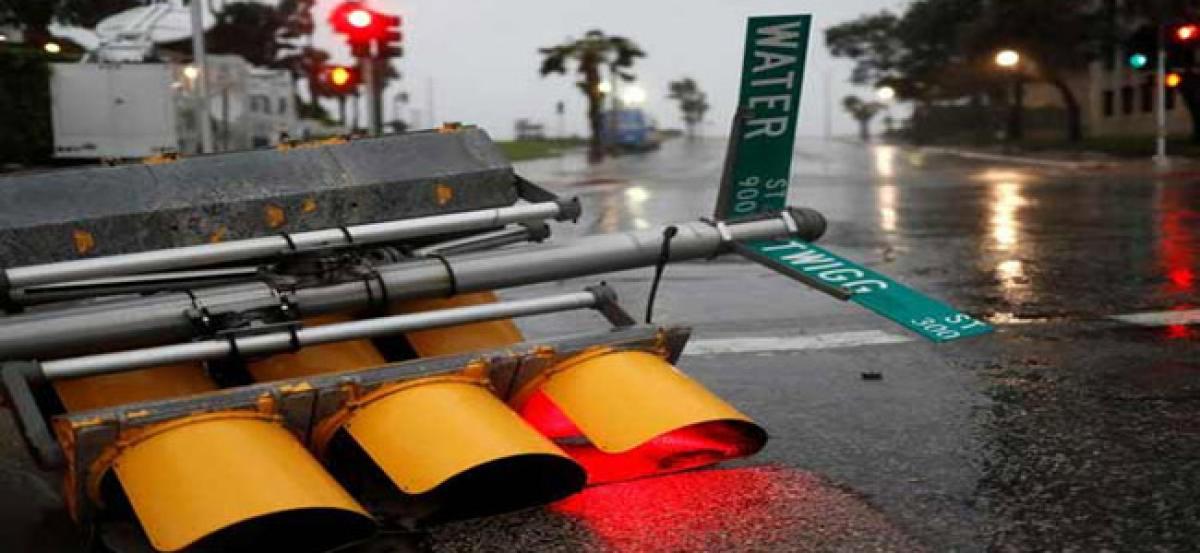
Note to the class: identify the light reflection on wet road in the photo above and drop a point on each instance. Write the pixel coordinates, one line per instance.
(1064, 431)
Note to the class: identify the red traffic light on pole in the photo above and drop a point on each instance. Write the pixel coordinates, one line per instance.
(388, 42)
(1187, 32)
(362, 26)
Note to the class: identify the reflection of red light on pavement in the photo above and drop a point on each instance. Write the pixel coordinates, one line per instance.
(1177, 240)
(689, 447)
(1176, 332)
(681, 512)
(743, 509)
(1182, 278)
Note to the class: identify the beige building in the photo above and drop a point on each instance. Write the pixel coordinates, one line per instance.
(1115, 99)
(1121, 100)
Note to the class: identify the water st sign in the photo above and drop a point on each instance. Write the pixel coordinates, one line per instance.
(757, 174)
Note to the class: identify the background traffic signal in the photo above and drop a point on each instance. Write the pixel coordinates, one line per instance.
(1187, 32)
(363, 26)
(1141, 47)
(340, 80)
(387, 45)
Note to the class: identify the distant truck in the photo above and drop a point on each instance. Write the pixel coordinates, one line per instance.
(629, 130)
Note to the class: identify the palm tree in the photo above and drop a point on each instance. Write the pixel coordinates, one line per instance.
(692, 102)
(862, 112)
(591, 54)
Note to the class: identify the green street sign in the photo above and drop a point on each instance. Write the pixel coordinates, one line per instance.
(921, 314)
(759, 162)
(758, 170)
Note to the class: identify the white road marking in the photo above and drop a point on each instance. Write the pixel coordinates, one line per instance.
(835, 340)
(1162, 318)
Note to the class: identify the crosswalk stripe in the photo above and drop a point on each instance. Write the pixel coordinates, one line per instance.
(713, 346)
(1162, 318)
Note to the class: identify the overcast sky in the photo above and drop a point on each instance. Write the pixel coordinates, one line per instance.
(481, 56)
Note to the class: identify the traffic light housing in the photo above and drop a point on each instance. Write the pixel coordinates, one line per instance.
(388, 44)
(1141, 46)
(436, 448)
(211, 480)
(629, 414)
(364, 27)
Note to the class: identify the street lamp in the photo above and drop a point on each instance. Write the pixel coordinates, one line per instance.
(885, 94)
(1009, 60)
(191, 72)
(633, 95)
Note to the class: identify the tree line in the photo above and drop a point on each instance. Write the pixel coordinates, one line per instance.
(943, 50)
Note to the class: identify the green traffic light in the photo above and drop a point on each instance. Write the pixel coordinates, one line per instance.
(1138, 61)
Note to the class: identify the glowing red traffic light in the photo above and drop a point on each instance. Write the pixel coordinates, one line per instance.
(359, 18)
(1187, 32)
(1173, 80)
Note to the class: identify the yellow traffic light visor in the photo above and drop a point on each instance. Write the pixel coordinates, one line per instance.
(627, 414)
(231, 481)
(224, 480)
(454, 450)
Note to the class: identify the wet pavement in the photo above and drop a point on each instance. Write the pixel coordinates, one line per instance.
(1066, 430)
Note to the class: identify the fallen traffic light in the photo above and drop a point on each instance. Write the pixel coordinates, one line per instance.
(429, 449)
(222, 479)
(628, 414)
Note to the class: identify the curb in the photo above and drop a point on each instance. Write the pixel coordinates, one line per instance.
(1021, 160)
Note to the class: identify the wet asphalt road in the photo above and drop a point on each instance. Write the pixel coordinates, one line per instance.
(1063, 431)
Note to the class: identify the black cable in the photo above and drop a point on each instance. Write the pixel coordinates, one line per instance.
(664, 256)
(288, 238)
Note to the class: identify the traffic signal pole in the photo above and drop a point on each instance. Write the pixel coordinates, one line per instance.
(1160, 106)
(201, 60)
(371, 79)
(167, 317)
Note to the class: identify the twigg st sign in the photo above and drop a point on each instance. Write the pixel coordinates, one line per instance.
(758, 171)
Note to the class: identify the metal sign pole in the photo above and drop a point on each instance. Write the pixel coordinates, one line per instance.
(169, 317)
(280, 341)
(1160, 104)
(200, 58)
(371, 78)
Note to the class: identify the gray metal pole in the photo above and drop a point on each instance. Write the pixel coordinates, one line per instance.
(200, 58)
(268, 246)
(1160, 105)
(371, 80)
(276, 342)
(164, 318)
